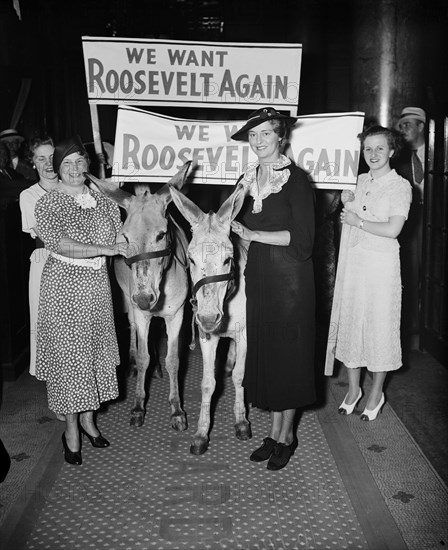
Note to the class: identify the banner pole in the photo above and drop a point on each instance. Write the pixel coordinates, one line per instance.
(97, 140)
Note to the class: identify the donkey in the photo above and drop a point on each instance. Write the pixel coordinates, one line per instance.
(219, 299)
(154, 282)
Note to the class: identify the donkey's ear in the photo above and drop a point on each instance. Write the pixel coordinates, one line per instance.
(189, 210)
(231, 207)
(119, 196)
(177, 181)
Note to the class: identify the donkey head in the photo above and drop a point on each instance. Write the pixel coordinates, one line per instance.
(146, 229)
(210, 253)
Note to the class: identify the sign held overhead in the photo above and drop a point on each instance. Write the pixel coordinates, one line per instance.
(191, 74)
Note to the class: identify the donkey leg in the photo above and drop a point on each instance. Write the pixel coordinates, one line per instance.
(155, 357)
(142, 326)
(173, 326)
(132, 344)
(242, 426)
(200, 441)
(230, 361)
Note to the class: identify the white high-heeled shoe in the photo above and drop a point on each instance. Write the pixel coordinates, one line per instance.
(371, 415)
(348, 409)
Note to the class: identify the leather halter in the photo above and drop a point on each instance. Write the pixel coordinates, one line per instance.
(147, 256)
(213, 279)
(194, 302)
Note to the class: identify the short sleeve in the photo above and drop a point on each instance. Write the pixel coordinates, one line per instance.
(401, 198)
(301, 196)
(27, 203)
(48, 221)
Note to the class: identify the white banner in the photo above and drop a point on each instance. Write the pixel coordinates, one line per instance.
(152, 147)
(192, 74)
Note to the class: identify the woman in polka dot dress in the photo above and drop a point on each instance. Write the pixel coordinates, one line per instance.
(77, 351)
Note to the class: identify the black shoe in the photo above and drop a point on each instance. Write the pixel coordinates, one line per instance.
(99, 441)
(281, 455)
(265, 451)
(71, 457)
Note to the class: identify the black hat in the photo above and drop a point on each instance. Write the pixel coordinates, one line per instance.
(258, 117)
(65, 148)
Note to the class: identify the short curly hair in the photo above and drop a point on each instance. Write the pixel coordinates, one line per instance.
(394, 138)
(35, 142)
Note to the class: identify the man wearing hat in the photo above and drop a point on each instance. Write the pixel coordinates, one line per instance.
(13, 140)
(411, 166)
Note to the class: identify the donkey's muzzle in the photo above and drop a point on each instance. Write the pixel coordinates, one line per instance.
(144, 300)
(209, 323)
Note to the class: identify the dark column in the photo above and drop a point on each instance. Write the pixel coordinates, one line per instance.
(386, 58)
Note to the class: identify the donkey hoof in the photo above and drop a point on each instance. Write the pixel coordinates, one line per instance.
(136, 420)
(199, 446)
(243, 431)
(179, 422)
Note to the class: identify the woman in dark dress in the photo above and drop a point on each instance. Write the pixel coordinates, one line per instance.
(277, 220)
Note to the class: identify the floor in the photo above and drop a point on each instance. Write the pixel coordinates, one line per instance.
(350, 484)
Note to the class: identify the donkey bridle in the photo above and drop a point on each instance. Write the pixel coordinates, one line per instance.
(230, 276)
(212, 279)
(147, 256)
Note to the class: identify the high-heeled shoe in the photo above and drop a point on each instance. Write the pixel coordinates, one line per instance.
(72, 457)
(371, 415)
(100, 442)
(348, 409)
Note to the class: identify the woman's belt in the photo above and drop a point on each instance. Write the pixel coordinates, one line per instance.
(95, 263)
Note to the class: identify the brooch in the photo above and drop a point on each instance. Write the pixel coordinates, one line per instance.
(85, 200)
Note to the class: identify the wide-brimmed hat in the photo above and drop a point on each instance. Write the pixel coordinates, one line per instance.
(258, 117)
(414, 113)
(10, 135)
(65, 148)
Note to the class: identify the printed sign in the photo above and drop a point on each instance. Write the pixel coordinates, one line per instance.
(151, 147)
(192, 74)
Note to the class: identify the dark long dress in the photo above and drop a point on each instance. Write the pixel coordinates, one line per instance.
(281, 299)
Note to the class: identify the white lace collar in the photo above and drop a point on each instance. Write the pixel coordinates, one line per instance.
(277, 177)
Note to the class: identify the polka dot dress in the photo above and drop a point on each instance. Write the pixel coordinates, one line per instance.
(77, 351)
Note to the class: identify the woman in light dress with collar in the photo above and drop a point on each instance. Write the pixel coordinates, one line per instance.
(77, 351)
(366, 312)
(41, 151)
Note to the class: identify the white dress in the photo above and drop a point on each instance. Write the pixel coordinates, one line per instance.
(366, 312)
(27, 200)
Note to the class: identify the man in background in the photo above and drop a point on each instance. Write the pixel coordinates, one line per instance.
(411, 165)
(14, 141)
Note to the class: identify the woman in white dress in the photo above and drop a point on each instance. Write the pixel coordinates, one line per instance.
(41, 153)
(366, 312)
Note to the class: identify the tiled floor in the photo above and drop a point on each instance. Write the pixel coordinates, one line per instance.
(350, 484)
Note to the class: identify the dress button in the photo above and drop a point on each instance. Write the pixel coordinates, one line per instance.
(364, 208)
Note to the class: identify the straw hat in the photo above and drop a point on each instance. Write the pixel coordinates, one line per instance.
(10, 135)
(414, 113)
